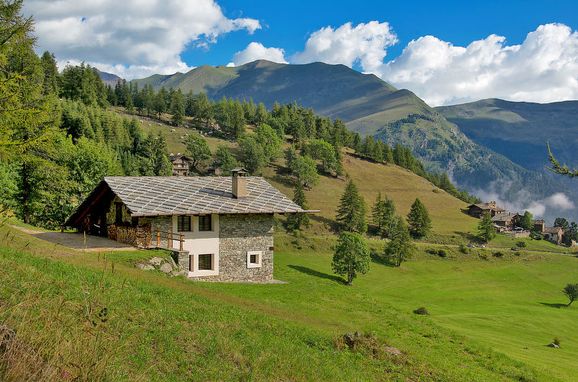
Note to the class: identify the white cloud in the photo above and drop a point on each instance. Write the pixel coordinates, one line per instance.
(256, 51)
(132, 37)
(544, 68)
(365, 44)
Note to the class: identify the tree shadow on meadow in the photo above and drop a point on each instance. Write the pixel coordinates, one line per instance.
(313, 272)
(554, 305)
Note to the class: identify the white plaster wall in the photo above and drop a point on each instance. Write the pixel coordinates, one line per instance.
(197, 243)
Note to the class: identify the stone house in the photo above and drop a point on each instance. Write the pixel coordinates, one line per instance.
(553, 234)
(506, 221)
(539, 225)
(479, 209)
(220, 228)
(181, 164)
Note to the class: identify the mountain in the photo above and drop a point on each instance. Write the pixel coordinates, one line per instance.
(371, 106)
(108, 78)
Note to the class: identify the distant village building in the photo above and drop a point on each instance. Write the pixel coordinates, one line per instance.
(221, 228)
(553, 234)
(181, 164)
(479, 209)
(539, 225)
(506, 221)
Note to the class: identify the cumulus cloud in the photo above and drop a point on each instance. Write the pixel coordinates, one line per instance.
(256, 51)
(544, 68)
(132, 37)
(364, 44)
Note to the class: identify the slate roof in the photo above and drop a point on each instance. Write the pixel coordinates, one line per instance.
(156, 196)
(556, 230)
(504, 216)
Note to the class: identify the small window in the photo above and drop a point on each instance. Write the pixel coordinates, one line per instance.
(254, 259)
(206, 262)
(183, 223)
(205, 223)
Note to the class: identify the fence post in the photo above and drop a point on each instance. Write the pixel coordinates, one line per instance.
(158, 239)
(170, 239)
(181, 240)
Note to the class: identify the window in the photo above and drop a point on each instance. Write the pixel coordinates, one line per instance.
(254, 259)
(183, 223)
(205, 223)
(206, 262)
(118, 215)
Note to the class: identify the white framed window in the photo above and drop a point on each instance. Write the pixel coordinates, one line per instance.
(254, 259)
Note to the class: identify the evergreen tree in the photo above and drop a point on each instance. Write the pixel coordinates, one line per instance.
(198, 150)
(383, 215)
(300, 219)
(400, 247)
(177, 107)
(269, 141)
(351, 210)
(351, 256)
(252, 154)
(418, 219)
(50, 82)
(486, 230)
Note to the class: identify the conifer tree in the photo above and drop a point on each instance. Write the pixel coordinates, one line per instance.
(351, 210)
(383, 215)
(400, 247)
(418, 219)
(301, 219)
(351, 256)
(486, 230)
(177, 107)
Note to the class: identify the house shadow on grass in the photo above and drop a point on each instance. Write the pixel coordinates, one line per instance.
(554, 305)
(313, 272)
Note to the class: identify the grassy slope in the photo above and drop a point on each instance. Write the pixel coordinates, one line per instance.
(173, 329)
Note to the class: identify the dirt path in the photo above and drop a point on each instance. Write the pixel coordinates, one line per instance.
(77, 240)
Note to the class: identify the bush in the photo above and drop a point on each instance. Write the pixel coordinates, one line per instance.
(498, 254)
(422, 311)
(431, 251)
(463, 249)
(536, 236)
(442, 253)
(556, 341)
(521, 244)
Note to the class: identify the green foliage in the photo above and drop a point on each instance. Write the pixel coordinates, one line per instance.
(527, 221)
(383, 214)
(486, 229)
(269, 141)
(323, 151)
(224, 160)
(418, 220)
(351, 256)
(400, 246)
(571, 291)
(304, 169)
(198, 150)
(177, 107)
(82, 83)
(351, 210)
(298, 220)
(252, 154)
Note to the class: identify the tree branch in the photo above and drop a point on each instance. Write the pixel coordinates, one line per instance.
(558, 168)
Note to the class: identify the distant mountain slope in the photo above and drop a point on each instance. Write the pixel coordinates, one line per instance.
(373, 107)
(108, 78)
(520, 130)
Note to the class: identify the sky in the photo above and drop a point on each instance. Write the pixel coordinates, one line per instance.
(446, 52)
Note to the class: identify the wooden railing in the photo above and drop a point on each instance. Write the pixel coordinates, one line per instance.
(160, 237)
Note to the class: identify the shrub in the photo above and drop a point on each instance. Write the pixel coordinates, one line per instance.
(498, 254)
(422, 311)
(521, 244)
(431, 251)
(463, 249)
(442, 253)
(556, 341)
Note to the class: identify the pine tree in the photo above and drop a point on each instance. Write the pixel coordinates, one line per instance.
(300, 219)
(418, 219)
(527, 221)
(351, 210)
(177, 107)
(383, 215)
(351, 256)
(486, 230)
(400, 246)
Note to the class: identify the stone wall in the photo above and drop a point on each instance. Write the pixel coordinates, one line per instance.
(239, 234)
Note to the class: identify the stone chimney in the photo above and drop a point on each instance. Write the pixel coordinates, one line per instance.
(239, 184)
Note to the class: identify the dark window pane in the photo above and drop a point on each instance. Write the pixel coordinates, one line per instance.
(184, 223)
(205, 223)
(206, 262)
(118, 215)
(254, 259)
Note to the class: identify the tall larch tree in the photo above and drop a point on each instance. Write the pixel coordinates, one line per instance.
(351, 210)
(418, 220)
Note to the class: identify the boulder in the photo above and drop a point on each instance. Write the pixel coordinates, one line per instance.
(145, 267)
(166, 268)
(156, 261)
(553, 345)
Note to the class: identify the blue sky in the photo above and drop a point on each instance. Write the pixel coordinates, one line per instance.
(288, 24)
(444, 51)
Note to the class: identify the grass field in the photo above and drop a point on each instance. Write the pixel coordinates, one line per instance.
(490, 320)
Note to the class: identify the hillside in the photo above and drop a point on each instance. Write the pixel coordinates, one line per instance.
(520, 130)
(371, 106)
